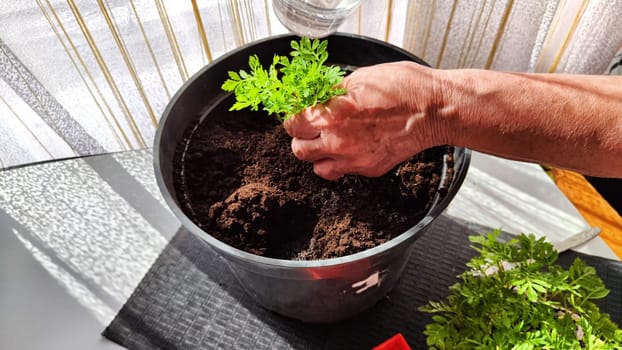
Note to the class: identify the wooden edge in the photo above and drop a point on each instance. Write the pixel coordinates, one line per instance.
(592, 206)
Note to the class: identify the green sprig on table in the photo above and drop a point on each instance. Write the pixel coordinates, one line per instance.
(515, 296)
(289, 85)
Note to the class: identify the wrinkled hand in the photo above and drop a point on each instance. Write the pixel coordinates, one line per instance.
(385, 117)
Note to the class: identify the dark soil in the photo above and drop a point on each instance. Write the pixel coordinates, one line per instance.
(239, 181)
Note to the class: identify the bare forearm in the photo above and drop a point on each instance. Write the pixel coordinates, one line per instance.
(569, 121)
(394, 110)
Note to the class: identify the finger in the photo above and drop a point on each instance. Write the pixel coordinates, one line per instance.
(300, 125)
(310, 150)
(327, 168)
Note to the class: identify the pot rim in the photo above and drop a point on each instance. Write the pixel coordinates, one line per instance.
(221, 247)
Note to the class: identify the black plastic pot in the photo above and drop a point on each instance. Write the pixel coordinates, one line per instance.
(312, 291)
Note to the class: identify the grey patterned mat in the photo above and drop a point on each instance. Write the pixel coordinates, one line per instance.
(189, 300)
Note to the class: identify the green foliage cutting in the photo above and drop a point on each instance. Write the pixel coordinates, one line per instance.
(514, 296)
(289, 85)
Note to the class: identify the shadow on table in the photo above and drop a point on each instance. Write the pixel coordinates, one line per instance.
(95, 224)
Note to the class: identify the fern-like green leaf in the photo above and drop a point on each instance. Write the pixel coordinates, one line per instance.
(289, 84)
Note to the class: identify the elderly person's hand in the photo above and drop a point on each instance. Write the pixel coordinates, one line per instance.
(392, 111)
(386, 116)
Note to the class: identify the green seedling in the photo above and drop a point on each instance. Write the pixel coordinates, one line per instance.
(515, 296)
(289, 85)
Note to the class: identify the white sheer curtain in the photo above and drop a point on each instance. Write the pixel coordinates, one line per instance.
(82, 77)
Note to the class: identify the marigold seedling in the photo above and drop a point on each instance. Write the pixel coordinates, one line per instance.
(289, 85)
(515, 296)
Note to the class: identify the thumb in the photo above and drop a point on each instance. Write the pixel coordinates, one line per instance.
(300, 125)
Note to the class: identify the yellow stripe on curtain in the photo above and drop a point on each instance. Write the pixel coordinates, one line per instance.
(108, 117)
(106, 71)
